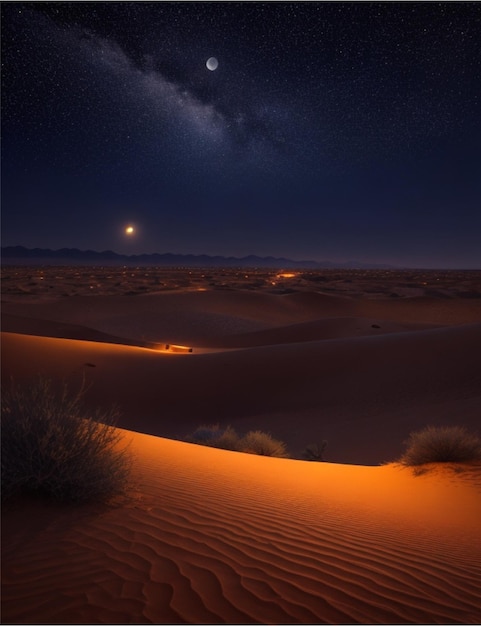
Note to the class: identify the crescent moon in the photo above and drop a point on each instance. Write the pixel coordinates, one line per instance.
(212, 64)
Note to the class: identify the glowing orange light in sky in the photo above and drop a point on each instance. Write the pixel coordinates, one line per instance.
(129, 230)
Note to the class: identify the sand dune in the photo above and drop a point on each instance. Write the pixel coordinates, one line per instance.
(325, 328)
(47, 328)
(204, 317)
(342, 390)
(210, 536)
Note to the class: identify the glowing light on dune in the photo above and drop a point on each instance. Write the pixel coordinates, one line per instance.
(286, 275)
(169, 347)
(176, 348)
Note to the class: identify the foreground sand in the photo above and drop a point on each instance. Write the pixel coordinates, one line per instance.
(211, 536)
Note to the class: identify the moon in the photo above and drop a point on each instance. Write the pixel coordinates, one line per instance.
(212, 64)
(129, 230)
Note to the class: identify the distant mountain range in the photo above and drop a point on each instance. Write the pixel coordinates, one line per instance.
(20, 255)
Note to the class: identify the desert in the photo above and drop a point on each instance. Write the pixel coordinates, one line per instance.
(240, 313)
(358, 359)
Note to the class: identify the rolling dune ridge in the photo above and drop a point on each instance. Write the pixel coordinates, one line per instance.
(303, 391)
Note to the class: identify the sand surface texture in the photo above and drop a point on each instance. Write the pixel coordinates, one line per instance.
(211, 536)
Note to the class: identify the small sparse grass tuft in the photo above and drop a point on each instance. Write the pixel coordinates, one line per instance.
(51, 445)
(444, 444)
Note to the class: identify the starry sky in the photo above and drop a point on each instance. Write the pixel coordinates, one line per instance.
(328, 131)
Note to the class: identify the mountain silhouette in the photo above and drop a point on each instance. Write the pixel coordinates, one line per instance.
(12, 255)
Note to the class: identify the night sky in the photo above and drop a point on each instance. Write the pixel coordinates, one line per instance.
(328, 131)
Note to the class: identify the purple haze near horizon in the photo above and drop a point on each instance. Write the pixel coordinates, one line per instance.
(330, 131)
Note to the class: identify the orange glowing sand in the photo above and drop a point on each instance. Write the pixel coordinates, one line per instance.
(211, 536)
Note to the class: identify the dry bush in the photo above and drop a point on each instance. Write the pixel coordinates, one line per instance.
(255, 442)
(444, 444)
(315, 451)
(258, 442)
(215, 437)
(51, 445)
(228, 440)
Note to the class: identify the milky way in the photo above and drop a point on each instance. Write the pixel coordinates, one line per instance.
(327, 130)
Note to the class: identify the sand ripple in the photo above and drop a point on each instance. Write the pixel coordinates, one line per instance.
(208, 536)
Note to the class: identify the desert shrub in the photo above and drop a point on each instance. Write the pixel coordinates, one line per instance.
(228, 440)
(216, 437)
(442, 444)
(258, 442)
(51, 445)
(205, 434)
(315, 451)
(255, 442)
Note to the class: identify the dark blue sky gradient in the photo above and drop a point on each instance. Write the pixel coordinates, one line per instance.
(329, 130)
